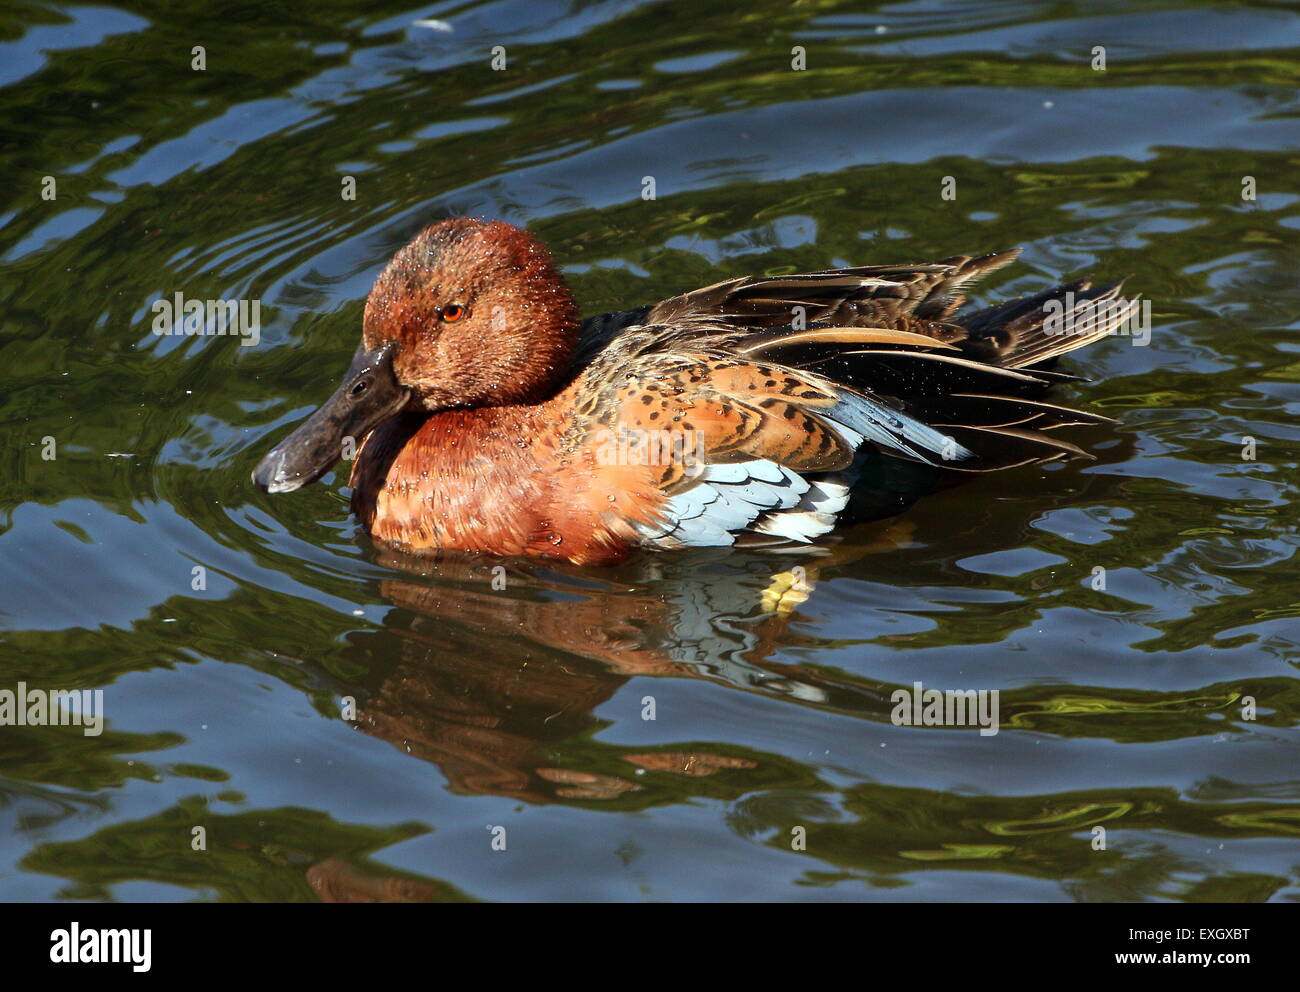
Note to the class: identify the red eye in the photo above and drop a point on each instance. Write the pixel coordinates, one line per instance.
(453, 312)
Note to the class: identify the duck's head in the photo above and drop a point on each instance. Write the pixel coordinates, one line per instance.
(470, 313)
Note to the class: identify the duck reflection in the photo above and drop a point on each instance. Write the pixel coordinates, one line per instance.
(494, 671)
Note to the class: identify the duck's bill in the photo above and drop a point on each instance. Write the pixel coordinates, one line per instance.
(370, 394)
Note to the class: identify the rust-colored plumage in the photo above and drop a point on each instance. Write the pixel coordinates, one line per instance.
(737, 412)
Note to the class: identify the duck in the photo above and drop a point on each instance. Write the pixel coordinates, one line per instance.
(484, 416)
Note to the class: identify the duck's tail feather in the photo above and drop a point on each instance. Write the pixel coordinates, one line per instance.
(861, 296)
(1036, 329)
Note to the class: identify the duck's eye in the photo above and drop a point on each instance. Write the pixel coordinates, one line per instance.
(359, 387)
(453, 312)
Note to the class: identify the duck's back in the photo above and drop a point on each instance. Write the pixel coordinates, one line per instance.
(750, 405)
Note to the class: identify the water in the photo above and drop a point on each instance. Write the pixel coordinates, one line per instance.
(1123, 691)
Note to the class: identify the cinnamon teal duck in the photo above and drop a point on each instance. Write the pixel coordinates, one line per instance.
(487, 416)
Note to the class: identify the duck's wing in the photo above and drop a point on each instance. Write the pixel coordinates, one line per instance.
(922, 299)
(703, 446)
(753, 397)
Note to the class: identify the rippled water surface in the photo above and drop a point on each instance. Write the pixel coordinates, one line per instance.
(1127, 609)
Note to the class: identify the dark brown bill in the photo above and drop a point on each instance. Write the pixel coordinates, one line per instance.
(370, 394)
